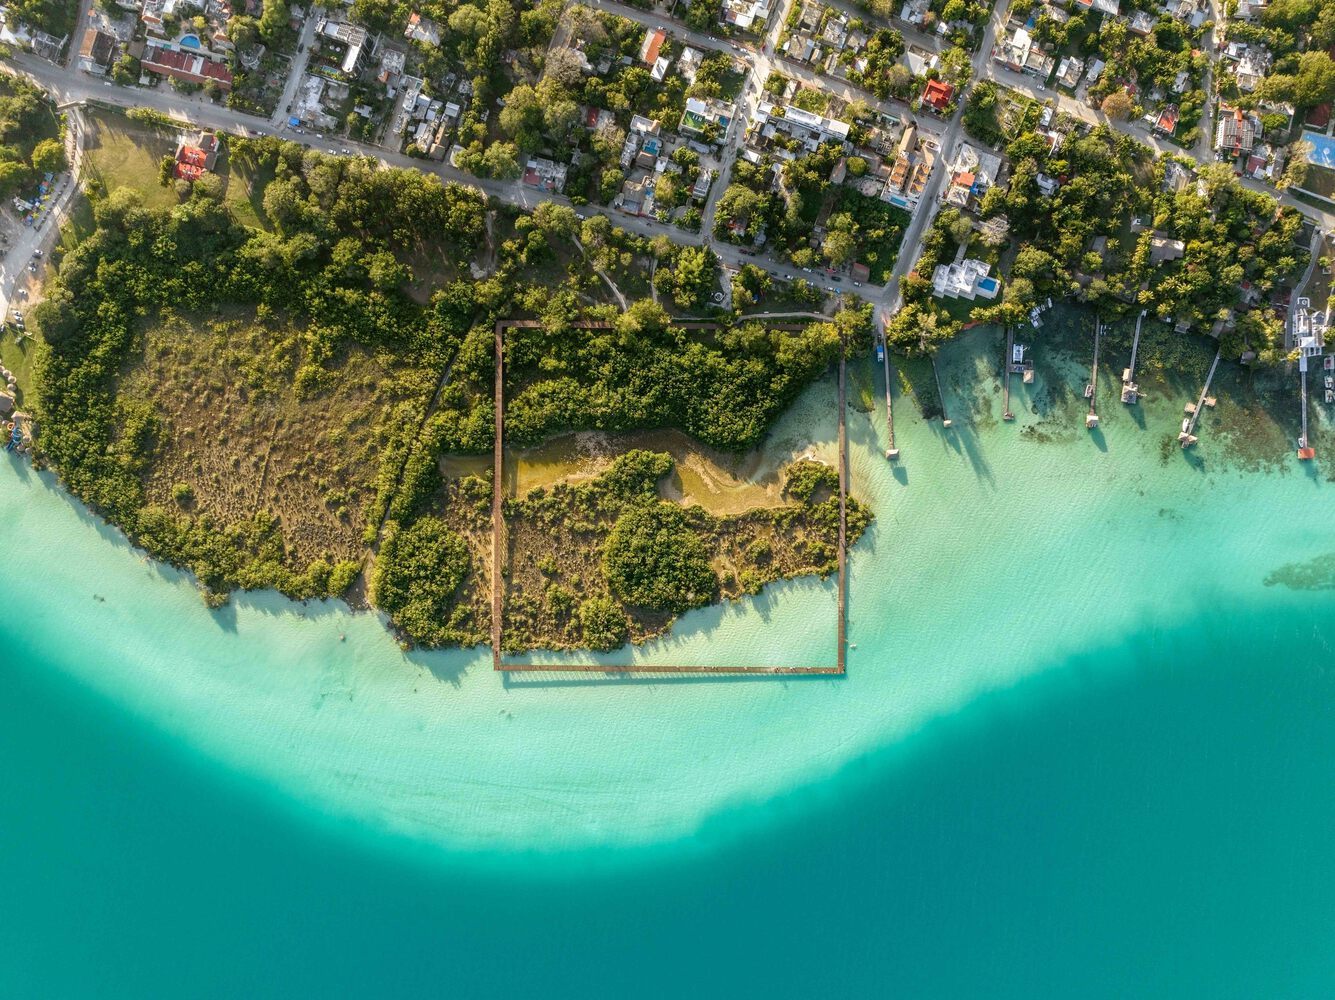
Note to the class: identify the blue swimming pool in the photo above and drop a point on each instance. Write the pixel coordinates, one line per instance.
(189, 42)
(988, 284)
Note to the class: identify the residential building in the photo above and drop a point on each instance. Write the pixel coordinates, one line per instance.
(1252, 68)
(1141, 23)
(701, 113)
(96, 52)
(1163, 249)
(1109, 7)
(545, 174)
(812, 129)
(353, 36)
(1237, 131)
(194, 159)
(937, 95)
(1019, 51)
(422, 29)
(967, 279)
(1069, 71)
(652, 45)
(184, 66)
(744, 14)
(1166, 123)
(688, 63)
(643, 126)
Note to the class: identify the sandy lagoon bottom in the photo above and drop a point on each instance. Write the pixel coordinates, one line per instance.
(1085, 746)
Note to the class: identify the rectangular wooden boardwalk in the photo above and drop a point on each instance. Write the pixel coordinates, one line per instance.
(498, 554)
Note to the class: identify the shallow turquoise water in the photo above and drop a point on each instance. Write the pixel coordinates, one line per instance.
(1083, 749)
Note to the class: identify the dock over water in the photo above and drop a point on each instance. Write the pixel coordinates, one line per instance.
(1193, 410)
(1131, 391)
(1092, 390)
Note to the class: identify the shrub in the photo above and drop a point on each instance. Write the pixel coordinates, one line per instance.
(654, 560)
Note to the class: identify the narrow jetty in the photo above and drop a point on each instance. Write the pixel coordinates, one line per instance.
(1131, 391)
(945, 417)
(1193, 410)
(841, 649)
(1006, 365)
(891, 452)
(1305, 451)
(1092, 390)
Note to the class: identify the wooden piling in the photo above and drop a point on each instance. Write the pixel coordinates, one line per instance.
(616, 670)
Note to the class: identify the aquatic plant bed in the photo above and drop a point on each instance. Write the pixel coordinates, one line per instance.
(645, 468)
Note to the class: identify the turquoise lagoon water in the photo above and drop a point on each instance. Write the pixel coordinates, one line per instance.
(1085, 747)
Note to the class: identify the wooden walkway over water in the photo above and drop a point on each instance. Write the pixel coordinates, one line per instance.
(498, 539)
(1131, 391)
(1188, 436)
(891, 451)
(1092, 390)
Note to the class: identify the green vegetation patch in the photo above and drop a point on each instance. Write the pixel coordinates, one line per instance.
(607, 560)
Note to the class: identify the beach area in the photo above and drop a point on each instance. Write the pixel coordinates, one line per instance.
(1081, 743)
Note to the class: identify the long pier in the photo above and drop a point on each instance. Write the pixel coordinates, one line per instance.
(1092, 390)
(841, 649)
(1304, 447)
(1188, 436)
(498, 536)
(1131, 391)
(945, 417)
(1006, 413)
(891, 452)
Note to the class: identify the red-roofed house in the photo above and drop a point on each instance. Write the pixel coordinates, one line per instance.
(938, 94)
(653, 43)
(1167, 122)
(194, 159)
(188, 66)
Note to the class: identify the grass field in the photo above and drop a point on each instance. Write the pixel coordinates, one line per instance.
(122, 153)
(18, 358)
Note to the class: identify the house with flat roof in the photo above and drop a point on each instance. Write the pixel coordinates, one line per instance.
(355, 39)
(967, 279)
(1252, 68)
(1069, 71)
(744, 14)
(1237, 131)
(548, 175)
(701, 113)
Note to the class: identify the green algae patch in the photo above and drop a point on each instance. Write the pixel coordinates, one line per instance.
(1317, 573)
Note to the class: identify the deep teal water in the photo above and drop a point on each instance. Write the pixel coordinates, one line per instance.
(1086, 748)
(1160, 828)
